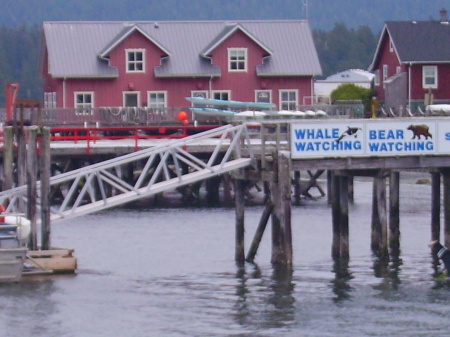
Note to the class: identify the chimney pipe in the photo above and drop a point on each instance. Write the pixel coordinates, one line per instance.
(443, 13)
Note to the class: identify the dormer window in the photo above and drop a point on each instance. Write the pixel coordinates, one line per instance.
(135, 60)
(237, 59)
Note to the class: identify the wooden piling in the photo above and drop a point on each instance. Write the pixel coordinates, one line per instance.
(446, 189)
(343, 218)
(280, 191)
(45, 163)
(379, 217)
(333, 195)
(394, 213)
(31, 172)
(239, 191)
(435, 206)
(8, 158)
(297, 187)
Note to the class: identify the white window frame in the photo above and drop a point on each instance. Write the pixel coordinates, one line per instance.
(128, 62)
(398, 70)
(221, 92)
(426, 75)
(199, 93)
(377, 77)
(289, 102)
(83, 108)
(385, 72)
(157, 104)
(49, 99)
(125, 93)
(239, 58)
(391, 46)
(269, 92)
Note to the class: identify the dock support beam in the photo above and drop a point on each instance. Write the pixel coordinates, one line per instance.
(31, 173)
(435, 206)
(280, 191)
(239, 189)
(394, 213)
(446, 188)
(45, 164)
(339, 198)
(379, 217)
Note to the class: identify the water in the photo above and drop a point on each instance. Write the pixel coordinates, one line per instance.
(170, 272)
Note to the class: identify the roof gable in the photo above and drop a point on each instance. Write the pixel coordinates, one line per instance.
(421, 41)
(417, 41)
(74, 47)
(227, 31)
(126, 32)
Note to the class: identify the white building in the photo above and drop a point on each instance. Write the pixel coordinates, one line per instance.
(323, 88)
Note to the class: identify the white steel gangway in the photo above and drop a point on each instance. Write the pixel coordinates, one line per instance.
(164, 167)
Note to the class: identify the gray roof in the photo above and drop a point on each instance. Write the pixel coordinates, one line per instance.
(418, 41)
(79, 49)
(350, 75)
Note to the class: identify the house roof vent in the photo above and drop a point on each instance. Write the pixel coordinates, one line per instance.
(443, 13)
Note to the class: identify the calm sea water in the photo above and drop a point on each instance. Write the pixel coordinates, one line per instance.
(169, 271)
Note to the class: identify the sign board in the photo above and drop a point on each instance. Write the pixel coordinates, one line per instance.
(369, 138)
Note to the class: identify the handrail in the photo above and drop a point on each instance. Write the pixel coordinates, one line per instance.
(162, 167)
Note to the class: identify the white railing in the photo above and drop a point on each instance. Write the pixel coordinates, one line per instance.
(103, 185)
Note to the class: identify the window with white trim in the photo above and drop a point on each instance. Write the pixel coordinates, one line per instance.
(49, 99)
(199, 93)
(263, 96)
(131, 98)
(84, 102)
(429, 77)
(288, 100)
(377, 77)
(237, 59)
(391, 46)
(157, 99)
(385, 72)
(135, 60)
(223, 95)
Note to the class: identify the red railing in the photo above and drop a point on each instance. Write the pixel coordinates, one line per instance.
(91, 135)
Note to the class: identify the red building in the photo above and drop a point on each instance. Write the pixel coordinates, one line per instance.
(158, 64)
(412, 63)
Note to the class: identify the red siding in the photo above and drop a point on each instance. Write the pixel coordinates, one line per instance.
(389, 58)
(442, 92)
(414, 74)
(109, 92)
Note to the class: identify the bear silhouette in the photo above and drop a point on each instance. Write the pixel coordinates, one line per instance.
(420, 130)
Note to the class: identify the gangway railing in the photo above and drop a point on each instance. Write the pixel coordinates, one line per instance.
(164, 167)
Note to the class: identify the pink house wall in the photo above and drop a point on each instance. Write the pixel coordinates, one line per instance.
(414, 72)
(109, 92)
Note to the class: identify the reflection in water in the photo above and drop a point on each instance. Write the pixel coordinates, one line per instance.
(389, 271)
(30, 299)
(274, 295)
(341, 288)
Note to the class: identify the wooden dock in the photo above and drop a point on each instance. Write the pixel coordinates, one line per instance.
(341, 149)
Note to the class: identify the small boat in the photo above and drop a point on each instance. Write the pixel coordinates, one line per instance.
(14, 233)
(438, 109)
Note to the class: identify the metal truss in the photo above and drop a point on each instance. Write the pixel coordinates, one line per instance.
(165, 167)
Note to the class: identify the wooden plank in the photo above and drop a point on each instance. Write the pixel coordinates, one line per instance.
(55, 264)
(50, 252)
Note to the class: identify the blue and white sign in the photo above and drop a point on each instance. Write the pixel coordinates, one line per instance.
(368, 138)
